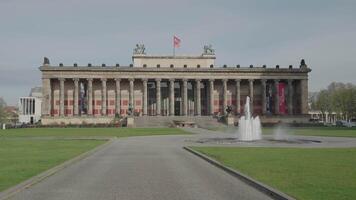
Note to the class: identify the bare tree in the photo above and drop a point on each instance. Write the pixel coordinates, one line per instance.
(3, 114)
(339, 98)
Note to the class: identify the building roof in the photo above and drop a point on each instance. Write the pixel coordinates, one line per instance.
(36, 92)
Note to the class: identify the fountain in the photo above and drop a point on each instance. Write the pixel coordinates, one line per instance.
(249, 126)
(249, 130)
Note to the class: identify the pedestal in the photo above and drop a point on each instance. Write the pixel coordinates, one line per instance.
(130, 122)
(230, 121)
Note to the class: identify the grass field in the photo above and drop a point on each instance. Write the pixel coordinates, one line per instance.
(302, 173)
(22, 159)
(27, 152)
(89, 132)
(308, 131)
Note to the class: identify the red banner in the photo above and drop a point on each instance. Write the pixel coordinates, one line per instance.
(282, 98)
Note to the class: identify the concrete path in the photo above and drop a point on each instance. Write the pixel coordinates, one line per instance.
(150, 168)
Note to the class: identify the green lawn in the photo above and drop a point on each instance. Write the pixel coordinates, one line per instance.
(89, 132)
(21, 159)
(28, 152)
(302, 173)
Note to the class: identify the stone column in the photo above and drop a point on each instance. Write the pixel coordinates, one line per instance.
(158, 96)
(250, 81)
(76, 96)
(104, 95)
(276, 97)
(290, 96)
(238, 96)
(47, 97)
(90, 96)
(131, 95)
(198, 100)
(224, 95)
(211, 88)
(145, 100)
(264, 107)
(171, 97)
(185, 97)
(61, 97)
(304, 96)
(118, 96)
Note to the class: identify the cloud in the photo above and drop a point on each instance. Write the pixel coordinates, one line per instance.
(242, 32)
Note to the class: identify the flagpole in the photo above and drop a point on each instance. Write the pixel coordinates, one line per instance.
(174, 48)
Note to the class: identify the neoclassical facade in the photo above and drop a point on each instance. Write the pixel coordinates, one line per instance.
(169, 86)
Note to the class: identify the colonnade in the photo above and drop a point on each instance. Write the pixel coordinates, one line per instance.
(171, 97)
(27, 105)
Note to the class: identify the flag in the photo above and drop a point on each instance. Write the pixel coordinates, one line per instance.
(176, 42)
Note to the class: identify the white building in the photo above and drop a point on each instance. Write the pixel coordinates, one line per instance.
(30, 107)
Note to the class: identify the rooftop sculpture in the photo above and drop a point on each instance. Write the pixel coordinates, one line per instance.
(139, 49)
(45, 61)
(208, 50)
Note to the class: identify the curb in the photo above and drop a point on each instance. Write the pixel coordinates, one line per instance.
(273, 193)
(6, 194)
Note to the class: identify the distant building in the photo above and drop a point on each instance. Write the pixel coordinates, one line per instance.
(30, 107)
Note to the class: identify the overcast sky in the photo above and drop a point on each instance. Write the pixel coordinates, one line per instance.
(242, 32)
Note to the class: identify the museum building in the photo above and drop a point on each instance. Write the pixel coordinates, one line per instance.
(170, 86)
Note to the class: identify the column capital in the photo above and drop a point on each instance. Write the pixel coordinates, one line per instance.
(251, 80)
(172, 80)
(144, 80)
(76, 80)
(263, 81)
(224, 80)
(276, 81)
(290, 81)
(117, 79)
(103, 79)
(211, 80)
(61, 79)
(158, 80)
(131, 79)
(90, 79)
(185, 80)
(238, 80)
(198, 80)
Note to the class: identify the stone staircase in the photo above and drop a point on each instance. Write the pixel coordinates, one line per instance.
(167, 121)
